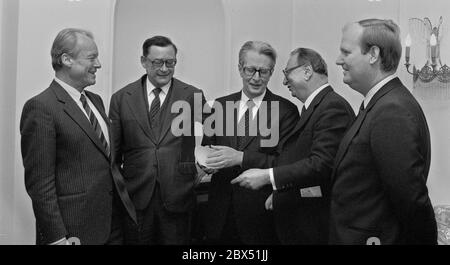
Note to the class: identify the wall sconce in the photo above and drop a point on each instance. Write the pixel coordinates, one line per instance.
(422, 30)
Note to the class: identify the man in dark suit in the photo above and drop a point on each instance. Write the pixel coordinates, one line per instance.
(237, 215)
(301, 179)
(379, 192)
(76, 190)
(158, 164)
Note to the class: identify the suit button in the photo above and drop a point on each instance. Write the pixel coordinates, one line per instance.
(111, 192)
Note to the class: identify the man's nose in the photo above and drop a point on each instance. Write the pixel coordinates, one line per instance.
(97, 63)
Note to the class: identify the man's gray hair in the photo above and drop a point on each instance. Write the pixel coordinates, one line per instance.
(66, 42)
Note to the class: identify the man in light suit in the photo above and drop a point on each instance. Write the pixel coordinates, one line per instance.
(379, 193)
(301, 179)
(237, 215)
(158, 165)
(76, 190)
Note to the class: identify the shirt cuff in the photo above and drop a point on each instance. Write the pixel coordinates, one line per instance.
(272, 179)
(57, 242)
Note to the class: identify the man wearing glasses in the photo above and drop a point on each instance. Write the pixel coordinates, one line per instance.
(237, 215)
(158, 166)
(301, 180)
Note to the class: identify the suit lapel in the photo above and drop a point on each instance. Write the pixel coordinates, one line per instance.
(304, 117)
(137, 103)
(77, 115)
(354, 129)
(178, 92)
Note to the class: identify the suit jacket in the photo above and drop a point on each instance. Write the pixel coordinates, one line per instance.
(68, 174)
(379, 182)
(254, 223)
(307, 161)
(146, 158)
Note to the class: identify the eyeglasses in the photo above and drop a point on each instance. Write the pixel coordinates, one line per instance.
(251, 71)
(286, 72)
(158, 63)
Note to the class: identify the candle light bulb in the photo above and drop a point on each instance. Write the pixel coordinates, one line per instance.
(433, 43)
(408, 41)
(433, 40)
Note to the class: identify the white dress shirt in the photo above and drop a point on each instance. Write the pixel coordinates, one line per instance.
(243, 104)
(75, 95)
(162, 94)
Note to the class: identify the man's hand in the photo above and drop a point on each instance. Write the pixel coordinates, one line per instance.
(253, 178)
(269, 203)
(223, 157)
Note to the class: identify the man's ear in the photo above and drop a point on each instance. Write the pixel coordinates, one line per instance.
(374, 53)
(308, 72)
(143, 62)
(66, 60)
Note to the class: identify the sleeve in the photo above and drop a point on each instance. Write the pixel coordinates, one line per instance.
(316, 168)
(254, 159)
(38, 146)
(116, 130)
(399, 146)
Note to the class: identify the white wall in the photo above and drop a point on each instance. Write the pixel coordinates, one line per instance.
(8, 59)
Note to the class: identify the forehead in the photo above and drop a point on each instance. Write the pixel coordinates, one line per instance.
(253, 58)
(292, 61)
(156, 52)
(86, 45)
(351, 35)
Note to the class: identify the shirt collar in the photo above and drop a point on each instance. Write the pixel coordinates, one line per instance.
(314, 94)
(375, 89)
(73, 92)
(257, 100)
(164, 89)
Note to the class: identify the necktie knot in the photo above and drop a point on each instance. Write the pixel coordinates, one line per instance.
(361, 108)
(156, 91)
(250, 104)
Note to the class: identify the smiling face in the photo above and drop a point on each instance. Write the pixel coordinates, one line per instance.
(159, 76)
(84, 64)
(355, 65)
(295, 77)
(254, 84)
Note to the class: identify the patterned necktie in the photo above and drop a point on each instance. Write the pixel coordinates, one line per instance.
(242, 139)
(95, 124)
(154, 108)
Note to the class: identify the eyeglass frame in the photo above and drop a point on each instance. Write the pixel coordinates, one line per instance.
(287, 72)
(164, 62)
(256, 70)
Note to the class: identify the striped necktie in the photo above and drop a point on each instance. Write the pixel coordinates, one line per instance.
(154, 108)
(241, 140)
(95, 124)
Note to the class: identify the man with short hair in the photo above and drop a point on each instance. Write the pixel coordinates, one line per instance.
(158, 165)
(237, 215)
(379, 193)
(76, 190)
(302, 176)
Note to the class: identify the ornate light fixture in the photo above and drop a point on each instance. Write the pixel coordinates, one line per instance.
(424, 31)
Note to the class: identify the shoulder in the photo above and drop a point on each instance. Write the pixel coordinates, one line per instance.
(187, 87)
(129, 88)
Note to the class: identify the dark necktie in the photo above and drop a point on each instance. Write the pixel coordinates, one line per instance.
(95, 125)
(242, 139)
(303, 110)
(154, 108)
